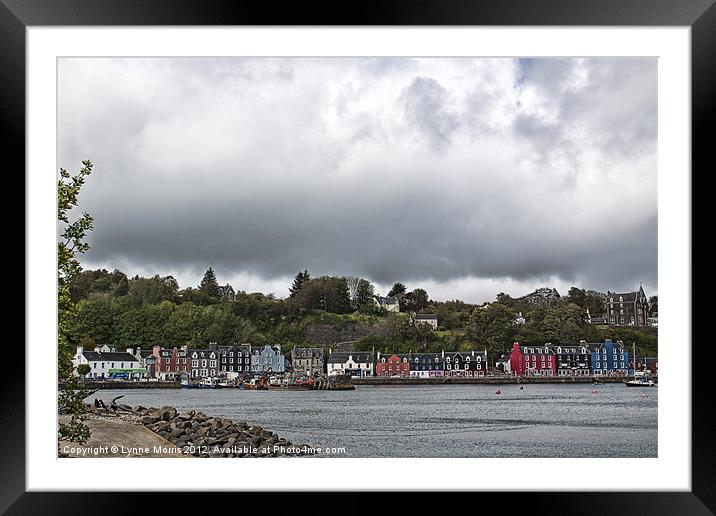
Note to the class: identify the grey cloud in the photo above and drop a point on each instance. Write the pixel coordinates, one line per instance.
(426, 107)
(251, 167)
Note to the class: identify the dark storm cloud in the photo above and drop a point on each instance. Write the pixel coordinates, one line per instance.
(443, 171)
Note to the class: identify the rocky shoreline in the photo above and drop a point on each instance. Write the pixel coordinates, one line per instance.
(197, 434)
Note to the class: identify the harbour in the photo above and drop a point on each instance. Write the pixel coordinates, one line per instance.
(452, 420)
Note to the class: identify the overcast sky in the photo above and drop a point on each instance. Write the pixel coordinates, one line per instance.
(466, 177)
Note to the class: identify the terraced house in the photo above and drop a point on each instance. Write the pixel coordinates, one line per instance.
(234, 361)
(268, 358)
(427, 365)
(392, 365)
(204, 363)
(532, 361)
(309, 361)
(609, 358)
(572, 360)
(353, 363)
(469, 364)
(170, 363)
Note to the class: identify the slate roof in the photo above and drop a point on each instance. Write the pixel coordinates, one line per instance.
(627, 297)
(299, 353)
(338, 357)
(258, 351)
(425, 317)
(93, 356)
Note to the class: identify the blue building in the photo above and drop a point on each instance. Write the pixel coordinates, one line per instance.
(609, 358)
(267, 358)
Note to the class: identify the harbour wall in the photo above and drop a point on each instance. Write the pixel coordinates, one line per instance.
(489, 380)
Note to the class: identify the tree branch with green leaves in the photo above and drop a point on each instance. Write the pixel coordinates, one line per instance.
(71, 398)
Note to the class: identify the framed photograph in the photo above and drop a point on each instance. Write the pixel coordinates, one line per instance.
(416, 249)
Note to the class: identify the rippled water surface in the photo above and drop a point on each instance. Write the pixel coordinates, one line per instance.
(551, 420)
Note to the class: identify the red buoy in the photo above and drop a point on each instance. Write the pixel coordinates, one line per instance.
(497, 391)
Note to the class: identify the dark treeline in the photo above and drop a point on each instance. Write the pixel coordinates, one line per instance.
(129, 312)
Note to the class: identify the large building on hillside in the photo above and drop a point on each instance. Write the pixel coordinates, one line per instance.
(628, 309)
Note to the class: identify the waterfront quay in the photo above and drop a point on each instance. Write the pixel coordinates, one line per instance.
(485, 380)
(125, 384)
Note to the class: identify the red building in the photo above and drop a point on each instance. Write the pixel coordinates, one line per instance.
(171, 363)
(532, 361)
(517, 361)
(394, 365)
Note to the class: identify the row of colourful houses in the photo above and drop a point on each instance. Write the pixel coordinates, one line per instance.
(551, 360)
(107, 362)
(238, 360)
(408, 365)
(584, 359)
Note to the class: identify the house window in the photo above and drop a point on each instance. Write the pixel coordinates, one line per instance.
(166, 360)
(195, 363)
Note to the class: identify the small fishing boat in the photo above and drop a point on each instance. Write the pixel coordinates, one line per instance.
(640, 382)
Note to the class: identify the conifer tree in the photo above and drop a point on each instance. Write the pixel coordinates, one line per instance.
(208, 284)
(298, 282)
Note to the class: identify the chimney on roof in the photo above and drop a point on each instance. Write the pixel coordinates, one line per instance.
(130, 351)
(96, 348)
(156, 350)
(80, 350)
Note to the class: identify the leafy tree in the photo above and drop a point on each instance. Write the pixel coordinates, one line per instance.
(364, 294)
(152, 290)
(209, 285)
(564, 324)
(495, 326)
(653, 306)
(72, 396)
(325, 293)
(576, 296)
(505, 299)
(83, 370)
(415, 301)
(122, 288)
(398, 290)
(299, 281)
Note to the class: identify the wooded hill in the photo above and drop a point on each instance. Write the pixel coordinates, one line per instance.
(129, 312)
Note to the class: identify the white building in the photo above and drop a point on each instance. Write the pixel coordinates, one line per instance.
(429, 319)
(357, 364)
(106, 362)
(391, 304)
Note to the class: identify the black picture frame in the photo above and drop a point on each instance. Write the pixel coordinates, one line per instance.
(700, 15)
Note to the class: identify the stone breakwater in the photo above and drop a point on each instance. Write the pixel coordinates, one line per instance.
(200, 435)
